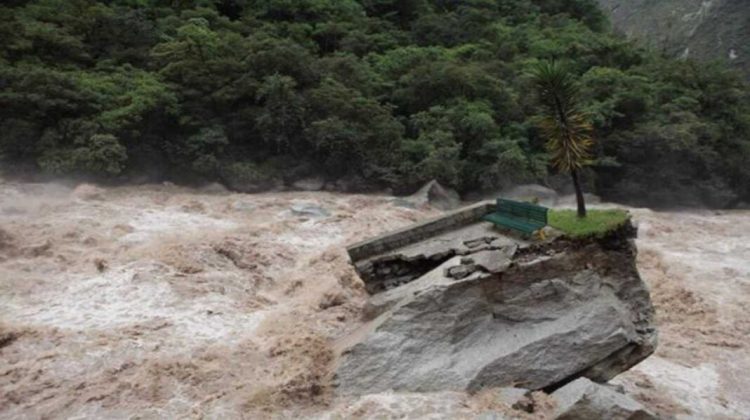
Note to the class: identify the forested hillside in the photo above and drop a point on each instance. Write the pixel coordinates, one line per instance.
(373, 93)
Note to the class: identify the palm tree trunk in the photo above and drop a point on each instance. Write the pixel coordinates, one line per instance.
(579, 194)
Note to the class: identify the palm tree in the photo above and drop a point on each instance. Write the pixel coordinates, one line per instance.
(566, 128)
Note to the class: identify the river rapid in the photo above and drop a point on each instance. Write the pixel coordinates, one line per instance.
(168, 302)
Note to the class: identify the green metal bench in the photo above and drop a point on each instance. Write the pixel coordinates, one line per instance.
(522, 217)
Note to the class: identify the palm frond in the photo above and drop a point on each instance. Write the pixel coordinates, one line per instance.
(569, 144)
(566, 128)
(555, 85)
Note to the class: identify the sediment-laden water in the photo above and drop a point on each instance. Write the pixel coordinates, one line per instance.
(166, 302)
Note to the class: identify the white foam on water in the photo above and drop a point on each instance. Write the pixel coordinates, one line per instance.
(402, 405)
(695, 388)
(130, 296)
(150, 223)
(310, 235)
(146, 312)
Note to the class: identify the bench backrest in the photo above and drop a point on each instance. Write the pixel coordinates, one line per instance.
(521, 210)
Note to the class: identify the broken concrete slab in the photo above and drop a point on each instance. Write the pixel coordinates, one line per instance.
(583, 399)
(478, 265)
(401, 265)
(421, 231)
(492, 261)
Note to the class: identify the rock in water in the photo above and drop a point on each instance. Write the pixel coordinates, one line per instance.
(214, 188)
(309, 184)
(88, 192)
(309, 210)
(543, 315)
(583, 400)
(431, 194)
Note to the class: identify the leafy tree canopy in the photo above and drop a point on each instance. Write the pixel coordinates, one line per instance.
(391, 93)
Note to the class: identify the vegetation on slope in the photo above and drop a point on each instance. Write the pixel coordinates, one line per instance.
(377, 92)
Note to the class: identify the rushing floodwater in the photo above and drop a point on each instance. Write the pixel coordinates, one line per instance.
(168, 302)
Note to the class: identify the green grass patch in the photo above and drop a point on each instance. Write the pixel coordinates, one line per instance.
(596, 223)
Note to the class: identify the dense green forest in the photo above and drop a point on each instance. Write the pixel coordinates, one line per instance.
(373, 93)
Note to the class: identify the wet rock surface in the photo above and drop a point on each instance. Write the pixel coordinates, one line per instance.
(309, 184)
(699, 29)
(583, 399)
(309, 210)
(431, 194)
(505, 314)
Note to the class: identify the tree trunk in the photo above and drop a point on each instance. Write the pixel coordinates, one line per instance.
(579, 194)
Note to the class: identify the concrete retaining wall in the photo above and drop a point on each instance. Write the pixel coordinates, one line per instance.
(420, 231)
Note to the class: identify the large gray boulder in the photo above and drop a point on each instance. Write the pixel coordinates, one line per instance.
(431, 194)
(586, 400)
(530, 316)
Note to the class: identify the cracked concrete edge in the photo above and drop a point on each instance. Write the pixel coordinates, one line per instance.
(419, 231)
(488, 263)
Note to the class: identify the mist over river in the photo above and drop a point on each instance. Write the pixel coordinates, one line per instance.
(168, 302)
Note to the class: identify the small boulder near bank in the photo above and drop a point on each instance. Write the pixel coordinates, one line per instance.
(586, 400)
(214, 188)
(431, 194)
(538, 316)
(309, 210)
(88, 192)
(309, 184)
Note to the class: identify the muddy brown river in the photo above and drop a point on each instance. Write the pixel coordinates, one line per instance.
(168, 302)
